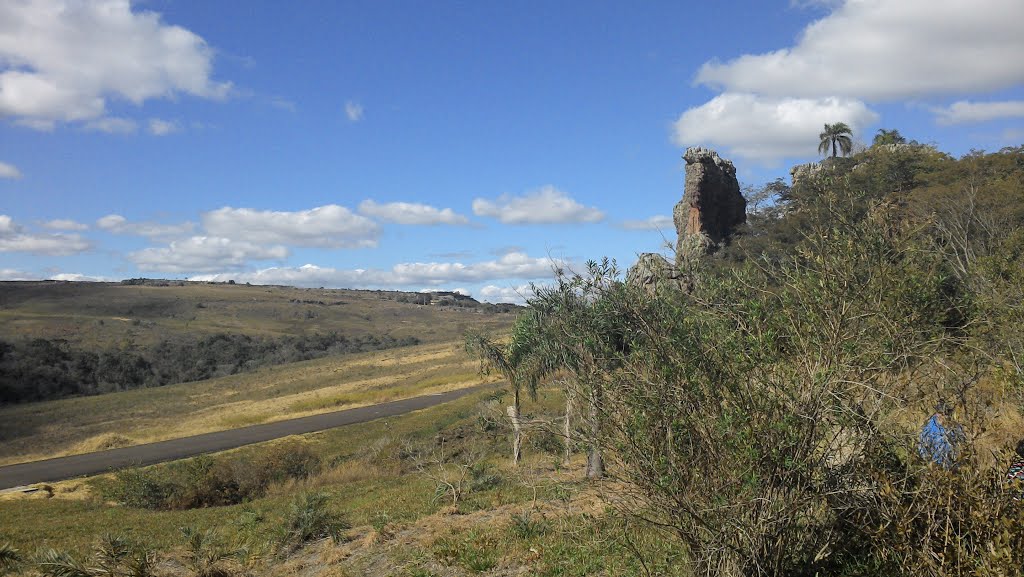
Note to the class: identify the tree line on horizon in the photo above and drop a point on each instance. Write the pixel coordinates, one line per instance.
(45, 369)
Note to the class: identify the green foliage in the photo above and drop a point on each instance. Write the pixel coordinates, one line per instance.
(755, 415)
(888, 137)
(207, 555)
(476, 552)
(207, 481)
(112, 556)
(938, 522)
(41, 369)
(526, 526)
(9, 557)
(309, 518)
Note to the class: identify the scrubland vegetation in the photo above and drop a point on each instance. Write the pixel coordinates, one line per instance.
(765, 417)
(763, 421)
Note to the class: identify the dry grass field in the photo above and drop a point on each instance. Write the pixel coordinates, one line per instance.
(112, 315)
(35, 431)
(103, 316)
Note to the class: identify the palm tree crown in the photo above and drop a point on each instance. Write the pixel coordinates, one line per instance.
(836, 136)
(888, 137)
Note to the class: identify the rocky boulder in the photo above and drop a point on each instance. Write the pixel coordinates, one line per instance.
(654, 272)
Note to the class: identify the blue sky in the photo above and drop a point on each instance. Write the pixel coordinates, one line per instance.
(445, 145)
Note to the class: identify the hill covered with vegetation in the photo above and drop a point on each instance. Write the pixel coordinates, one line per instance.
(763, 408)
(63, 339)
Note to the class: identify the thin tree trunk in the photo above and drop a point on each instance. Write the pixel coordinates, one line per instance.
(517, 430)
(569, 397)
(595, 463)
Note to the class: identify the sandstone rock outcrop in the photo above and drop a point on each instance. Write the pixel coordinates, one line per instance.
(712, 205)
(804, 171)
(711, 209)
(654, 272)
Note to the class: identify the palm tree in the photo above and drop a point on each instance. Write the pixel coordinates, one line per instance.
(888, 137)
(836, 136)
(523, 361)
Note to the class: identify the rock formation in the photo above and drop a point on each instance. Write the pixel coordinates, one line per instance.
(709, 212)
(804, 171)
(712, 205)
(653, 272)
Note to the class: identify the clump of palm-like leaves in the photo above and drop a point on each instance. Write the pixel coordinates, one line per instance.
(206, 554)
(9, 557)
(112, 556)
(309, 518)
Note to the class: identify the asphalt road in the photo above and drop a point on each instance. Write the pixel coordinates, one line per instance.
(103, 461)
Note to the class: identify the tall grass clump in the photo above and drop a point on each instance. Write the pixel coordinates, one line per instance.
(309, 518)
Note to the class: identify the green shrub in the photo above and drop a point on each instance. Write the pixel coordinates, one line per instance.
(287, 460)
(309, 518)
(526, 526)
(139, 488)
(207, 481)
(545, 440)
(207, 555)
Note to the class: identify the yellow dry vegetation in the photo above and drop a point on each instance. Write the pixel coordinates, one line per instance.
(86, 424)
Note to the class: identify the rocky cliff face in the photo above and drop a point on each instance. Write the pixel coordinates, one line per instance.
(806, 171)
(709, 212)
(712, 205)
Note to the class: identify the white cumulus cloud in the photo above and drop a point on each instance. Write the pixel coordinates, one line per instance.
(966, 111)
(411, 213)
(64, 224)
(546, 205)
(658, 222)
(118, 224)
(509, 266)
(9, 171)
(14, 238)
(62, 60)
(353, 111)
(885, 50)
(329, 226)
(112, 125)
(204, 254)
(767, 129)
(159, 127)
(78, 277)
(14, 274)
(506, 294)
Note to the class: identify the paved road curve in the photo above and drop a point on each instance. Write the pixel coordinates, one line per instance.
(103, 461)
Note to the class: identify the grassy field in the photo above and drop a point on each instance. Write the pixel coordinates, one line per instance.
(95, 316)
(539, 518)
(385, 478)
(106, 316)
(78, 425)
